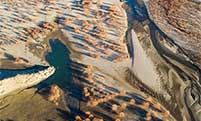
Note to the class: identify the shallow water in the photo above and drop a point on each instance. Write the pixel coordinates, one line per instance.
(58, 58)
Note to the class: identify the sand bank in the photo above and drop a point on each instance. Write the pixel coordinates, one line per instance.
(23, 81)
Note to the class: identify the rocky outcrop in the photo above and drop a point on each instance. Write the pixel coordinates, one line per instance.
(180, 20)
(24, 81)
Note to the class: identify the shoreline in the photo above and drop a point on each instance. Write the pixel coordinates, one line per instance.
(178, 67)
(66, 40)
(168, 66)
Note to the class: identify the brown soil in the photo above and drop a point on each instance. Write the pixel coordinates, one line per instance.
(181, 20)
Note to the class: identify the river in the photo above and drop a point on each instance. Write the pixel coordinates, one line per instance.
(141, 14)
(59, 57)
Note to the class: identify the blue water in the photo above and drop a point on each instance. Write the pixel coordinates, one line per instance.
(59, 58)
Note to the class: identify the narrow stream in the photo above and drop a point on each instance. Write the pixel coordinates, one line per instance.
(59, 58)
(140, 15)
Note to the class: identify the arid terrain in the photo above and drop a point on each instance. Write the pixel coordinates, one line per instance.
(100, 60)
(180, 20)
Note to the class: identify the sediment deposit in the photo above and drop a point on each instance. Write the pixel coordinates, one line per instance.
(23, 81)
(96, 82)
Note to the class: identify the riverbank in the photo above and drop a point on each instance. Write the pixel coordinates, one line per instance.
(185, 71)
(174, 26)
(159, 66)
(91, 71)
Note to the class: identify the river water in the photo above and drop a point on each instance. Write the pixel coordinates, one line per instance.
(59, 58)
(140, 14)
